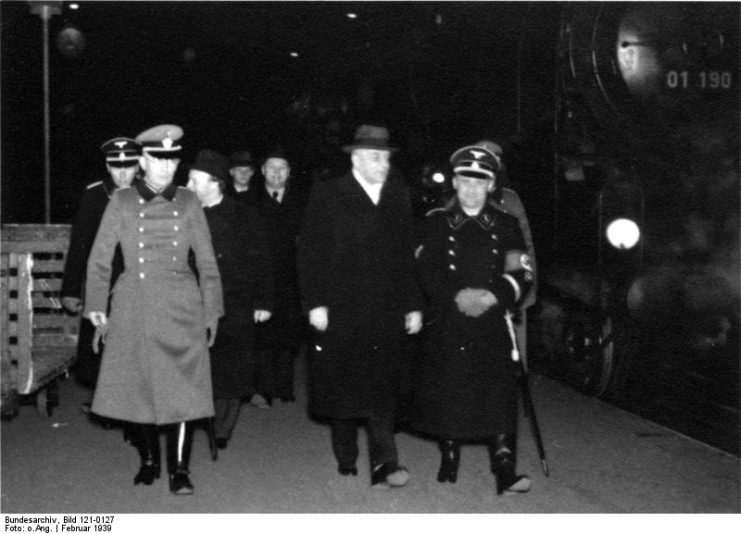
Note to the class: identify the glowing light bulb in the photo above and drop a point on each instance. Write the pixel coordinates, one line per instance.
(623, 233)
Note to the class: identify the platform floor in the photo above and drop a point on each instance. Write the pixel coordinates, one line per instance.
(602, 460)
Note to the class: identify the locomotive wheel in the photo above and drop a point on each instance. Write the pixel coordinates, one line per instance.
(592, 356)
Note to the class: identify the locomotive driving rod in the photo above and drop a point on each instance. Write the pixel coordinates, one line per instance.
(526, 397)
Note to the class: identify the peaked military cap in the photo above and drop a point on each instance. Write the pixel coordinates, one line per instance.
(121, 152)
(492, 147)
(475, 162)
(161, 141)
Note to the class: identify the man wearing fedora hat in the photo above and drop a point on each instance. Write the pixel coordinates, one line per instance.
(474, 270)
(122, 164)
(356, 272)
(243, 256)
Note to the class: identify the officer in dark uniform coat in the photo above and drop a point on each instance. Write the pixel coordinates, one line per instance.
(356, 266)
(243, 256)
(122, 164)
(280, 201)
(474, 268)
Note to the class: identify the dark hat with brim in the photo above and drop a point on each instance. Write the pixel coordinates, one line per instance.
(241, 159)
(475, 162)
(213, 163)
(371, 138)
(161, 141)
(277, 152)
(121, 152)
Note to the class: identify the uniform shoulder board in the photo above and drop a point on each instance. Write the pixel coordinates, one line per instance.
(434, 210)
(94, 184)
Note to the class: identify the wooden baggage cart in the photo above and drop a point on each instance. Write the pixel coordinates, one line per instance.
(39, 338)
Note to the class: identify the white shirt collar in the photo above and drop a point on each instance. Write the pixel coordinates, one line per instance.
(372, 190)
(280, 192)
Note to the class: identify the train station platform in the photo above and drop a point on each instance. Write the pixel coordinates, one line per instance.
(602, 460)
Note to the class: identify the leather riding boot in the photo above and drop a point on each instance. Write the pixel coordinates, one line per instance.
(450, 457)
(502, 453)
(147, 441)
(179, 444)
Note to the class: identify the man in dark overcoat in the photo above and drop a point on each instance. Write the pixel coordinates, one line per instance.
(242, 169)
(280, 201)
(356, 270)
(122, 164)
(474, 269)
(243, 256)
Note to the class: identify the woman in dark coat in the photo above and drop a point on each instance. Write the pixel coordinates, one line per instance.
(473, 268)
(155, 369)
(243, 257)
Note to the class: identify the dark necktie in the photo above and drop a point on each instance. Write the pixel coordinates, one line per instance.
(275, 196)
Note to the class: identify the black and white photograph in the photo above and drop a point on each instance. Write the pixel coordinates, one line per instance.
(441, 265)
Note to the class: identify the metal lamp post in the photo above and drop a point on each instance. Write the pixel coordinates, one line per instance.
(46, 10)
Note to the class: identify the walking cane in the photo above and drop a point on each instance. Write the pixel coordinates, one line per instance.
(526, 398)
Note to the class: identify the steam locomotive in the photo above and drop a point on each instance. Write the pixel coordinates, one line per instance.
(639, 253)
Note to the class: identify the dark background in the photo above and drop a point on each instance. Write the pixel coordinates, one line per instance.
(438, 74)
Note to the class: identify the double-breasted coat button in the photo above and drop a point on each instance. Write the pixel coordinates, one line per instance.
(141, 214)
(175, 213)
(141, 229)
(451, 238)
(452, 267)
(174, 243)
(177, 228)
(141, 275)
(141, 245)
(141, 201)
(451, 252)
(141, 260)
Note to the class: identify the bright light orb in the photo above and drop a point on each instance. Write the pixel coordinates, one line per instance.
(623, 233)
(438, 178)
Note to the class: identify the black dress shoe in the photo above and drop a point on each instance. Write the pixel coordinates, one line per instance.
(345, 471)
(221, 443)
(389, 475)
(504, 471)
(180, 483)
(147, 473)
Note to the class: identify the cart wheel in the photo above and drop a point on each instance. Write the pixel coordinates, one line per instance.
(52, 394)
(10, 406)
(42, 405)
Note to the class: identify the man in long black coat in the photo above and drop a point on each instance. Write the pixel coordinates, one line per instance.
(356, 271)
(243, 257)
(280, 201)
(122, 164)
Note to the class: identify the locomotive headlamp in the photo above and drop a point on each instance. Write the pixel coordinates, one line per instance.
(623, 233)
(621, 224)
(438, 178)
